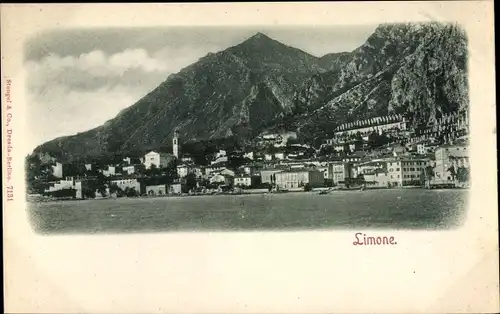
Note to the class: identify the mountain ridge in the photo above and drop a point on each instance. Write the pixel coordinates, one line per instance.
(262, 84)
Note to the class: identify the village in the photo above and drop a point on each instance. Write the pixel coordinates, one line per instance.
(382, 152)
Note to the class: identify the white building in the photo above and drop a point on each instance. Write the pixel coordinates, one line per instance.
(68, 183)
(249, 155)
(175, 188)
(406, 171)
(268, 175)
(129, 169)
(377, 178)
(220, 153)
(339, 171)
(448, 156)
(175, 144)
(128, 183)
(244, 180)
(221, 178)
(183, 170)
(298, 178)
(156, 189)
(158, 159)
(219, 159)
(110, 171)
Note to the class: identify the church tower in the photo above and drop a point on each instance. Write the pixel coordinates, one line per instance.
(175, 144)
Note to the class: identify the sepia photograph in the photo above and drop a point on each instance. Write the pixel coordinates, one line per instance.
(214, 128)
(315, 157)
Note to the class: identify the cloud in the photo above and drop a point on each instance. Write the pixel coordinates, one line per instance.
(73, 94)
(90, 66)
(62, 112)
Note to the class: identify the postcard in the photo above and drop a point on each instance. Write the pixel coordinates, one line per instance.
(250, 158)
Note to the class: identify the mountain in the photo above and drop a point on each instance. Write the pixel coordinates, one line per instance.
(419, 70)
(261, 84)
(238, 91)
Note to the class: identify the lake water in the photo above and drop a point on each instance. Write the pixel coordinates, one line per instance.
(394, 209)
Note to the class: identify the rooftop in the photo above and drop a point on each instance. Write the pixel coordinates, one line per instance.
(299, 170)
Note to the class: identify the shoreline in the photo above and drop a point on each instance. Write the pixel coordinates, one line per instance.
(319, 192)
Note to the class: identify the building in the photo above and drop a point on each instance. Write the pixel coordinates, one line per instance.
(246, 169)
(175, 144)
(219, 178)
(406, 171)
(267, 175)
(156, 189)
(198, 171)
(450, 127)
(109, 171)
(324, 170)
(339, 171)
(228, 172)
(214, 168)
(160, 160)
(448, 157)
(377, 178)
(246, 180)
(57, 170)
(249, 155)
(369, 166)
(218, 160)
(221, 153)
(127, 183)
(68, 183)
(270, 139)
(296, 178)
(130, 169)
(175, 188)
(280, 156)
(385, 124)
(243, 180)
(184, 169)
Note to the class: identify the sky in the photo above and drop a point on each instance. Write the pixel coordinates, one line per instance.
(79, 79)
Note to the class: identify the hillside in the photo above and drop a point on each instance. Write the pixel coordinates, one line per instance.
(238, 92)
(416, 69)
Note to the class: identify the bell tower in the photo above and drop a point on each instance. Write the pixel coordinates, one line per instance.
(175, 144)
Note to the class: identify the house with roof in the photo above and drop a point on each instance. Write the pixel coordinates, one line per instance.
(376, 178)
(448, 157)
(160, 160)
(297, 178)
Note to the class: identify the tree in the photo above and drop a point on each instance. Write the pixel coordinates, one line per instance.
(190, 182)
(153, 170)
(114, 188)
(291, 141)
(428, 174)
(462, 174)
(452, 172)
(326, 150)
(131, 192)
(102, 190)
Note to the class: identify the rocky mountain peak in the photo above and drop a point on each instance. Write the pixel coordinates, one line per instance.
(417, 68)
